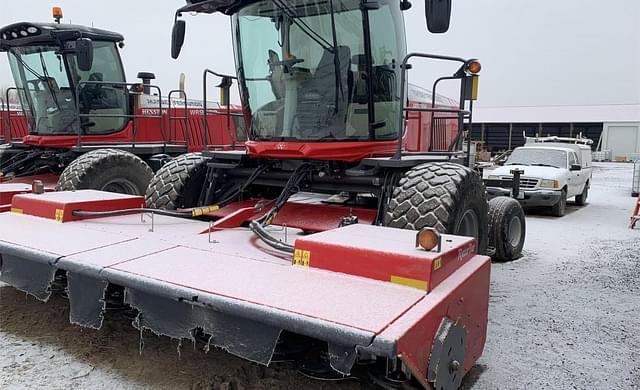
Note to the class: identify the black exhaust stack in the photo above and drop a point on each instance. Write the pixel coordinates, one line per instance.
(146, 81)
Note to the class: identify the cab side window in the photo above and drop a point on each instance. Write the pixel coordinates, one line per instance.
(572, 159)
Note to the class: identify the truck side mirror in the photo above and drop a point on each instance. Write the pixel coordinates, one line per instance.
(575, 167)
(177, 37)
(438, 13)
(84, 54)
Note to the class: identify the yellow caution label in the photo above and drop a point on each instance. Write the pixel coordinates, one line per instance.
(474, 87)
(15, 210)
(302, 257)
(204, 210)
(437, 263)
(415, 283)
(59, 215)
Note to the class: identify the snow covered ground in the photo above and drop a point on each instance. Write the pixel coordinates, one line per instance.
(564, 316)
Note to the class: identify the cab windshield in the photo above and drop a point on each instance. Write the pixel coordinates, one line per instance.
(538, 156)
(47, 80)
(304, 69)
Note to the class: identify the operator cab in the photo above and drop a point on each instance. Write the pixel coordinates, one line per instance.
(303, 69)
(318, 79)
(53, 65)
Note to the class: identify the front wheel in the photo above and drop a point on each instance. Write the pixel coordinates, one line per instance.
(448, 197)
(559, 208)
(110, 170)
(507, 228)
(178, 183)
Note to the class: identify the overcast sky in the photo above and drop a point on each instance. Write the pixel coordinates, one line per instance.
(533, 52)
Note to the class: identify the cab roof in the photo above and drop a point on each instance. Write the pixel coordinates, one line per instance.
(227, 7)
(29, 33)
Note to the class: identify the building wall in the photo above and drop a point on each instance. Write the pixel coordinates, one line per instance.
(505, 136)
(622, 139)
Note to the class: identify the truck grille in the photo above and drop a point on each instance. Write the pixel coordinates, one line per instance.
(525, 182)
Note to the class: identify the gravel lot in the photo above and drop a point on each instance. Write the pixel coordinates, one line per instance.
(565, 316)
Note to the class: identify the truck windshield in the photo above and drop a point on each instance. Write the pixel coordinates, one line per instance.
(303, 69)
(538, 156)
(47, 80)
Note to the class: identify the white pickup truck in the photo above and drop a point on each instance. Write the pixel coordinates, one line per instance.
(553, 170)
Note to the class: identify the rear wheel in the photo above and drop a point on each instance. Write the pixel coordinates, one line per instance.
(178, 183)
(559, 208)
(506, 228)
(448, 197)
(581, 199)
(109, 170)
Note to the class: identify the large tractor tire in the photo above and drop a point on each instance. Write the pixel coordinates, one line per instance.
(448, 197)
(178, 183)
(109, 170)
(507, 228)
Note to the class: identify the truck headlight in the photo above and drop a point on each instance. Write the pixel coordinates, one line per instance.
(546, 183)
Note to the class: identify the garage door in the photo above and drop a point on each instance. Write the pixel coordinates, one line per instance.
(622, 140)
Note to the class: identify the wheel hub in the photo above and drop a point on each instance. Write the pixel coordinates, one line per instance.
(515, 231)
(447, 356)
(469, 225)
(120, 186)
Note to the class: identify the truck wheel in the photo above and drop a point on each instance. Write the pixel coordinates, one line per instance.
(446, 196)
(559, 208)
(109, 170)
(506, 228)
(178, 183)
(581, 199)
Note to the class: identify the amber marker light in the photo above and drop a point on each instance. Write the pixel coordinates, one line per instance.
(57, 13)
(37, 187)
(428, 238)
(474, 67)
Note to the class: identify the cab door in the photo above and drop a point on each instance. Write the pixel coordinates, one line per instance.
(576, 178)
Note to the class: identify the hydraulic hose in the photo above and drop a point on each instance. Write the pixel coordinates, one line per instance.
(268, 239)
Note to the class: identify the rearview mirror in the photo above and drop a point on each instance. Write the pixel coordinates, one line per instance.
(177, 37)
(575, 167)
(438, 13)
(84, 54)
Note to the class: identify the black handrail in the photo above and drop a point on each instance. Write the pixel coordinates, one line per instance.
(9, 129)
(461, 112)
(2, 120)
(185, 117)
(133, 116)
(204, 105)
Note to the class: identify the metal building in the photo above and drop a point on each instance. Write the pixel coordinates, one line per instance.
(502, 128)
